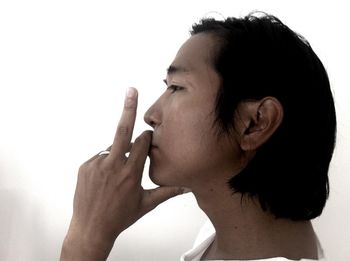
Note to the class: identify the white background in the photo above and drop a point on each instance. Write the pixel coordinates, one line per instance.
(64, 68)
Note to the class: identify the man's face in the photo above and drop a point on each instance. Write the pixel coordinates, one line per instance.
(186, 150)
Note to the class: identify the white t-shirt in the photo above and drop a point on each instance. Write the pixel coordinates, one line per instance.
(206, 237)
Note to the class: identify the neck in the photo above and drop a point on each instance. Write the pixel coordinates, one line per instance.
(245, 231)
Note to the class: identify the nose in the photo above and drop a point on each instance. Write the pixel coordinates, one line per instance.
(152, 116)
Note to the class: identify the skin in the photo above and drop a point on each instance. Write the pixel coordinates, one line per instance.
(109, 196)
(185, 151)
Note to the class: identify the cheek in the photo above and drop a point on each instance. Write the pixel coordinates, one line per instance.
(188, 147)
(188, 150)
(185, 130)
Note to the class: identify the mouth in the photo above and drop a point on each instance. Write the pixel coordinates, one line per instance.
(153, 144)
(152, 148)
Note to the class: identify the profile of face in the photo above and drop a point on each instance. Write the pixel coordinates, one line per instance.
(186, 150)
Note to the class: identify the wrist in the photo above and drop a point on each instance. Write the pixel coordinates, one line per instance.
(78, 247)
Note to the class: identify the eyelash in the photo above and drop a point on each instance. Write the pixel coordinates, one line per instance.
(174, 88)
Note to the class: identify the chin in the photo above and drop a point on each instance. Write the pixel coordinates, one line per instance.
(162, 177)
(156, 178)
(158, 181)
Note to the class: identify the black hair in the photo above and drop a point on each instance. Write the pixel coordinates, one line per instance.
(259, 56)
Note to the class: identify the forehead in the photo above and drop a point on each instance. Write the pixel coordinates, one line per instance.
(196, 53)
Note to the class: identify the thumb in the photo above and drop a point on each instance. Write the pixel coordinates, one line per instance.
(154, 197)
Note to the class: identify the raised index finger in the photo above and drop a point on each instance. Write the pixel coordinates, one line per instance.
(125, 127)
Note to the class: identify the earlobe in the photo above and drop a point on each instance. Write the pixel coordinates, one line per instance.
(262, 118)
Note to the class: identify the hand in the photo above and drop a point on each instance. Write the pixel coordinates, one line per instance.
(109, 196)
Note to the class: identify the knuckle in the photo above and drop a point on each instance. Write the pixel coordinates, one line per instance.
(134, 166)
(123, 130)
(96, 167)
(110, 164)
(84, 171)
(83, 168)
(130, 107)
(130, 104)
(138, 140)
(128, 177)
(132, 162)
(143, 138)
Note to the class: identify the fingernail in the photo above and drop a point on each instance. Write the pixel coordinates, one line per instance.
(130, 96)
(131, 92)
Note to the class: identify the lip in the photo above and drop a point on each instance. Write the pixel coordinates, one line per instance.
(152, 148)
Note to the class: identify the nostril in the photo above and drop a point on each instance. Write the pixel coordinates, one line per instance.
(152, 123)
(152, 116)
(150, 120)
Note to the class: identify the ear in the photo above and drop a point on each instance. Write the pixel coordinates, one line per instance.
(256, 121)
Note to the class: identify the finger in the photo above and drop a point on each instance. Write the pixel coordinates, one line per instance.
(129, 149)
(126, 124)
(154, 197)
(126, 155)
(99, 155)
(139, 152)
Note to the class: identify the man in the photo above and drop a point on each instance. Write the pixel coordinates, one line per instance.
(247, 123)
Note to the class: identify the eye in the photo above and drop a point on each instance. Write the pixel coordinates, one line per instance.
(173, 88)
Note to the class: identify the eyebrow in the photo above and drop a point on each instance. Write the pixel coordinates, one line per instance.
(172, 69)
